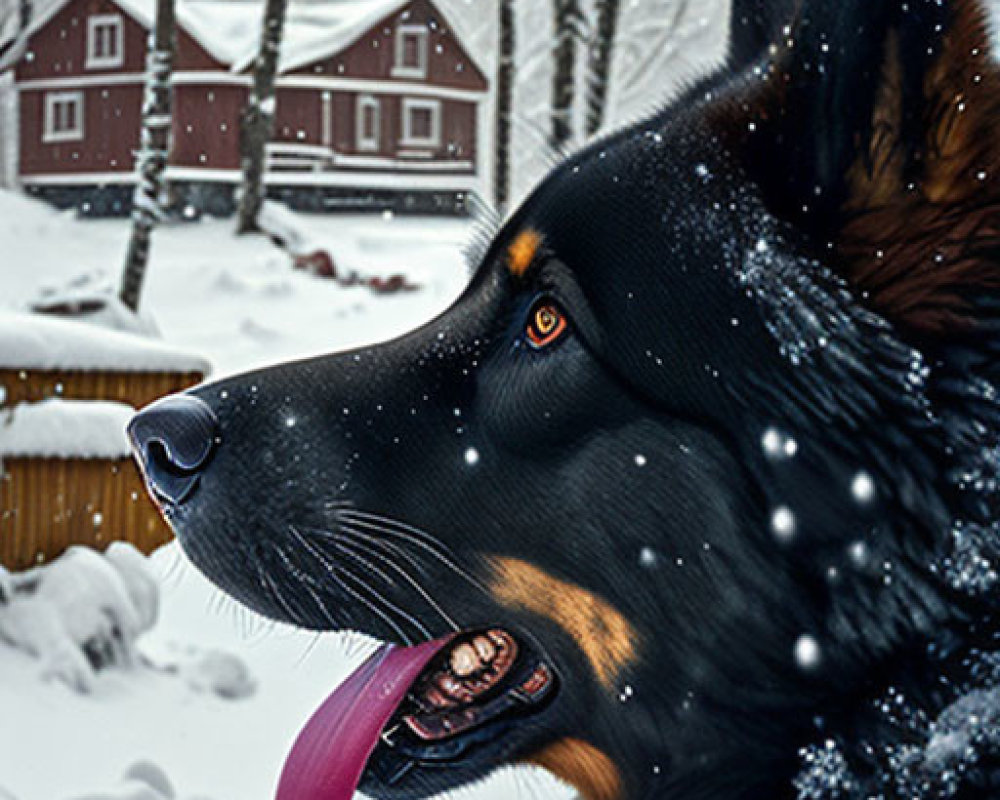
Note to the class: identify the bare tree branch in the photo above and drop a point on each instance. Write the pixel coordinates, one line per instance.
(257, 123)
(601, 48)
(505, 102)
(568, 18)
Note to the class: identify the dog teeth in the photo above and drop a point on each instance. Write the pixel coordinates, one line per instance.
(453, 689)
(437, 699)
(485, 649)
(464, 660)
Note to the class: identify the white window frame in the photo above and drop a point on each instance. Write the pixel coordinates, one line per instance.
(400, 69)
(95, 61)
(49, 133)
(368, 144)
(326, 123)
(418, 104)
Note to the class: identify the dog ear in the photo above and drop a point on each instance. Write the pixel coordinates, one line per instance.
(875, 127)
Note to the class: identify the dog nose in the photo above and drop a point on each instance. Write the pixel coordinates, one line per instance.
(174, 439)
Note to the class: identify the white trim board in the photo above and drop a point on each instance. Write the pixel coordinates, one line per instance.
(81, 82)
(352, 180)
(209, 78)
(380, 87)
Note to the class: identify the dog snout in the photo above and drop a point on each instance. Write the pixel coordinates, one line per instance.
(174, 440)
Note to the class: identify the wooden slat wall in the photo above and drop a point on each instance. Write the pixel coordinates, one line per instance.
(136, 389)
(47, 505)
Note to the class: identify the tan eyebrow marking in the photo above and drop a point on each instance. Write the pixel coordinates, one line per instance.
(522, 251)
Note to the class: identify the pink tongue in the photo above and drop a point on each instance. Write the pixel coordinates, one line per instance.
(329, 756)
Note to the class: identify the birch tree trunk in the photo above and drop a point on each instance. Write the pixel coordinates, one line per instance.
(23, 15)
(504, 110)
(601, 50)
(151, 190)
(567, 21)
(257, 122)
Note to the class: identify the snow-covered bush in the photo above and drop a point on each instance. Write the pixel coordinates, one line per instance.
(221, 674)
(144, 780)
(81, 613)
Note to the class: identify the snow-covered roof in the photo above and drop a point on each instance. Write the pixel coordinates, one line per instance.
(65, 429)
(229, 30)
(314, 31)
(32, 341)
(225, 28)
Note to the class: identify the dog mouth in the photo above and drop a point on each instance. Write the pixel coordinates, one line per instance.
(435, 705)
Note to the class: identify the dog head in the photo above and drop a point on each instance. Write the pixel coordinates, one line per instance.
(670, 479)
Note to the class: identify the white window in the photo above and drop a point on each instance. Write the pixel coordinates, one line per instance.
(411, 52)
(63, 117)
(421, 123)
(369, 123)
(105, 45)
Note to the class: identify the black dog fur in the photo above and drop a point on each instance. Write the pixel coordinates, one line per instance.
(759, 460)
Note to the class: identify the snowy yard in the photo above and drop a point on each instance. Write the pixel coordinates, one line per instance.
(236, 299)
(238, 302)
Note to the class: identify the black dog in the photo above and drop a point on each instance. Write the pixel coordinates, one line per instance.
(699, 470)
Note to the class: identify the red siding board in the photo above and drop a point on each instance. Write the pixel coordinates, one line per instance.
(298, 116)
(111, 122)
(206, 126)
(373, 56)
(192, 56)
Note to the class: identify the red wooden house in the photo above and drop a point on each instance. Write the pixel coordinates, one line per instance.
(378, 104)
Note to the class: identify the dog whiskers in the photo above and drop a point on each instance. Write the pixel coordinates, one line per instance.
(425, 539)
(275, 592)
(373, 550)
(409, 534)
(338, 576)
(349, 549)
(343, 546)
(317, 600)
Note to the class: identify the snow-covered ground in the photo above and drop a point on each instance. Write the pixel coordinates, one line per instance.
(237, 301)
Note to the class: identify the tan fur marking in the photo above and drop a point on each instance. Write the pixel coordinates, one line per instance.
(920, 251)
(522, 251)
(583, 767)
(606, 638)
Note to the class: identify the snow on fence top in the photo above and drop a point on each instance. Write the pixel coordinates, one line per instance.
(32, 341)
(65, 429)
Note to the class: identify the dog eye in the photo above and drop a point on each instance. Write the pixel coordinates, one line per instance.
(546, 324)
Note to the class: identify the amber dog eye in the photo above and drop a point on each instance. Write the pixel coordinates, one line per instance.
(546, 324)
